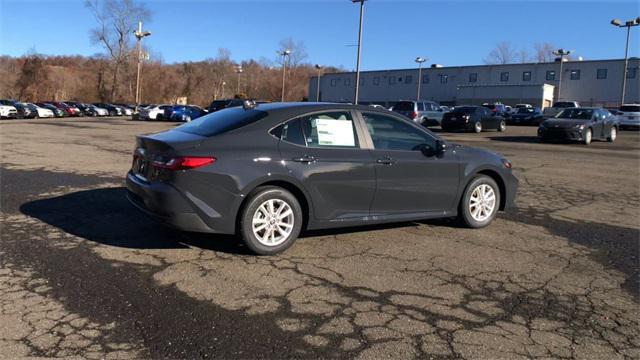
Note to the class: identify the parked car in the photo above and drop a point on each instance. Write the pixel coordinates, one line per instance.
(526, 116)
(24, 111)
(223, 104)
(7, 110)
(69, 110)
(580, 124)
(473, 118)
(497, 108)
(558, 106)
(427, 113)
(84, 108)
(112, 109)
(629, 116)
(153, 112)
(187, 113)
(125, 109)
(56, 111)
(40, 111)
(266, 171)
(98, 110)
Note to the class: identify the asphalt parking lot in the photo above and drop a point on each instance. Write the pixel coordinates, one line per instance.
(83, 273)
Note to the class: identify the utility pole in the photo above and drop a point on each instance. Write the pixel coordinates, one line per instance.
(561, 53)
(238, 70)
(139, 36)
(319, 67)
(419, 60)
(355, 96)
(628, 25)
(284, 53)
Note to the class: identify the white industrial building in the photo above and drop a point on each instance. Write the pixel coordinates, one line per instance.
(590, 82)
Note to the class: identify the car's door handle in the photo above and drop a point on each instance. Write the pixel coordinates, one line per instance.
(385, 161)
(305, 159)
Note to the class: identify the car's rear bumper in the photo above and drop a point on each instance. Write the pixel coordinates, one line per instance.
(164, 203)
(457, 126)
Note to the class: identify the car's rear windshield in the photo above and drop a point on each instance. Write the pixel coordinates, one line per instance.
(464, 109)
(404, 106)
(564, 104)
(576, 113)
(630, 108)
(222, 121)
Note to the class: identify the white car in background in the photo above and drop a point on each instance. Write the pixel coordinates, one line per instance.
(152, 112)
(629, 116)
(42, 112)
(8, 112)
(100, 111)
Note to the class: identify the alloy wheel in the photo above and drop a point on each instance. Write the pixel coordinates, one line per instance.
(482, 202)
(273, 222)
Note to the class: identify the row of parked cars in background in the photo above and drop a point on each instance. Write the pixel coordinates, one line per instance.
(13, 109)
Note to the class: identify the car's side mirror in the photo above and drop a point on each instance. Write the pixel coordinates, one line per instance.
(428, 151)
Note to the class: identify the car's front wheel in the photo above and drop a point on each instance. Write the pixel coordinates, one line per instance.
(502, 127)
(480, 202)
(477, 127)
(271, 221)
(613, 134)
(586, 138)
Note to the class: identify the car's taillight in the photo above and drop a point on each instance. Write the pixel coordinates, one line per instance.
(414, 115)
(183, 162)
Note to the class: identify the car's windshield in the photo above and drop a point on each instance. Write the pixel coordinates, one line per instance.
(222, 121)
(525, 111)
(404, 106)
(576, 113)
(630, 108)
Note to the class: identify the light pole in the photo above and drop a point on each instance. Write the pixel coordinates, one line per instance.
(561, 53)
(319, 67)
(238, 70)
(355, 96)
(284, 53)
(628, 25)
(139, 35)
(419, 60)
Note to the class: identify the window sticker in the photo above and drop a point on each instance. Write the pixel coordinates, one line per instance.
(335, 132)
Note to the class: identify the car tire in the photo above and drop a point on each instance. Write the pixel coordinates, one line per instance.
(587, 137)
(613, 134)
(265, 207)
(477, 127)
(483, 209)
(502, 127)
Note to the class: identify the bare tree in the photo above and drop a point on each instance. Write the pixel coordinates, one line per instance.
(544, 52)
(117, 20)
(523, 56)
(503, 53)
(33, 79)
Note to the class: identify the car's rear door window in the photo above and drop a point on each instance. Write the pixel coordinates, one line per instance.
(322, 130)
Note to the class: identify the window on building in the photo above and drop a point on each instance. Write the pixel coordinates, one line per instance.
(376, 80)
(473, 77)
(444, 78)
(334, 82)
(575, 75)
(526, 76)
(408, 79)
(632, 73)
(425, 78)
(601, 74)
(392, 80)
(551, 75)
(504, 76)
(347, 82)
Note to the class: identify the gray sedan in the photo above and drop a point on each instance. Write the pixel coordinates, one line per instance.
(266, 172)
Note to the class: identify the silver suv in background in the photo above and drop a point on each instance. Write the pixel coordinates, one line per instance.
(427, 113)
(629, 116)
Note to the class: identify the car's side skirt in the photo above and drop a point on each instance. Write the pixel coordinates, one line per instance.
(379, 219)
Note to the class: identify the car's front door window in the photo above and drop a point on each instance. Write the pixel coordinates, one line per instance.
(389, 133)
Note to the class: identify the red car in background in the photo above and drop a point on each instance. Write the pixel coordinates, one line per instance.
(69, 110)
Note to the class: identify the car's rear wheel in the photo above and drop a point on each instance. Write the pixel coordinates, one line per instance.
(480, 202)
(271, 221)
(587, 137)
(477, 127)
(613, 134)
(502, 127)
